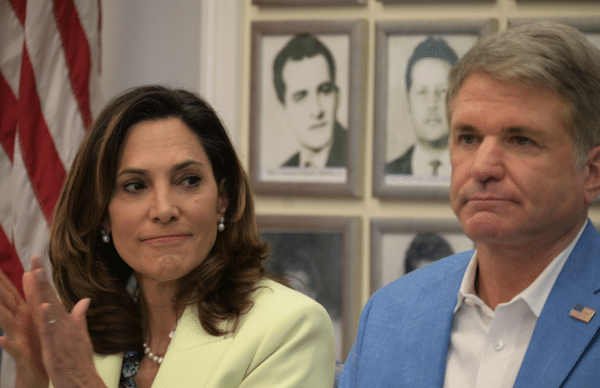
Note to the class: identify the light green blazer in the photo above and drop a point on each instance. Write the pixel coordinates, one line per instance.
(285, 340)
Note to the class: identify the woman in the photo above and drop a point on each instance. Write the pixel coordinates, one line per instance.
(156, 254)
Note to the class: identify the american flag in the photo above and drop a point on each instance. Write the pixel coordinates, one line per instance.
(49, 90)
(582, 313)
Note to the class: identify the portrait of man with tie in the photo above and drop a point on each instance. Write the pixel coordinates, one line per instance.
(304, 81)
(426, 83)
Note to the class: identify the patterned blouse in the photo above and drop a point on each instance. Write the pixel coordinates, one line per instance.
(131, 363)
(131, 366)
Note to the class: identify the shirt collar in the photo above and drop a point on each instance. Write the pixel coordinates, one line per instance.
(535, 295)
(318, 159)
(423, 156)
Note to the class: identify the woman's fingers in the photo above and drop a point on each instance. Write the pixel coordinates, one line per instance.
(9, 295)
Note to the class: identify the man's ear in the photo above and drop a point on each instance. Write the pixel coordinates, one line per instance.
(592, 180)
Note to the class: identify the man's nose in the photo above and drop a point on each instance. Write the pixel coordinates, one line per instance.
(316, 108)
(488, 163)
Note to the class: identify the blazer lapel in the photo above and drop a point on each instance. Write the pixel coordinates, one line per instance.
(109, 368)
(438, 326)
(190, 347)
(427, 326)
(559, 340)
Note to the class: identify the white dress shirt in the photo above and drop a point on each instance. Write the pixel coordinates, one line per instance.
(423, 158)
(308, 158)
(487, 347)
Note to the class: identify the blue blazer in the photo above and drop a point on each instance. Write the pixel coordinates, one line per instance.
(404, 329)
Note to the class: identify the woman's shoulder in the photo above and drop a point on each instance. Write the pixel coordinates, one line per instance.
(275, 303)
(270, 295)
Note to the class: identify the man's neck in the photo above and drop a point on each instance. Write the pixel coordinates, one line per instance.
(316, 157)
(504, 271)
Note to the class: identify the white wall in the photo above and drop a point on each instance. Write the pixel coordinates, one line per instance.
(192, 44)
(150, 41)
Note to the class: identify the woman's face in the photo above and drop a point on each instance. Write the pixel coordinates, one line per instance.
(165, 207)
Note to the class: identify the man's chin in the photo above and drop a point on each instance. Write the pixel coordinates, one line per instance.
(318, 147)
(437, 143)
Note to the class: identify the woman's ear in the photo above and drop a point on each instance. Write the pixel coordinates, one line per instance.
(223, 199)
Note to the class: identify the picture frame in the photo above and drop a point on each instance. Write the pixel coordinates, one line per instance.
(552, 1)
(423, 51)
(311, 118)
(420, 240)
(296, 243)
(434, 1)
(589, 26)
(290, 3)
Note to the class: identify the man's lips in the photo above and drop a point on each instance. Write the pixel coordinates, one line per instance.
(319, 125)
(164, 239)
(487, 198)
(484, 202)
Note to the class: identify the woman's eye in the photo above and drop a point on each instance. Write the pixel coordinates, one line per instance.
(133, 187)
(191, 181)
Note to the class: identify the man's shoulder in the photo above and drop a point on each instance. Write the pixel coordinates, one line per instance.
(402, 164)
(450, 269)
(337, 154)
(293, 161)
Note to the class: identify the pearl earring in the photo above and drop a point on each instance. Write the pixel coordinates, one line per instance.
(221, 224)
(105, 236)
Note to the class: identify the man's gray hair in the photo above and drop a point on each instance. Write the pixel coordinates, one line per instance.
(546, 54)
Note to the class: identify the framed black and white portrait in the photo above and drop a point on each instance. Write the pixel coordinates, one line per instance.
(316, 256)
(286, 3)
(435, 1)
(305, 107)
(413, 59)
(399, 246)
(589, 26)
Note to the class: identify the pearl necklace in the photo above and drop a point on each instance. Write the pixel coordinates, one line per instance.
(154, 357)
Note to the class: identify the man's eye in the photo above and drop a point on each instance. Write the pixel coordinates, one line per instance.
(466, 139)
(297, 97)
(327, 88)
(522, 141)
(421, 91)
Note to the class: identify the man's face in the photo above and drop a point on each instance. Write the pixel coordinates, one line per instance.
(310, 101)
(514, 179)
(427, 101)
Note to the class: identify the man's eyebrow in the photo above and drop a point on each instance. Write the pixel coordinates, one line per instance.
(463, 128)
(177, 167)
(522, 130)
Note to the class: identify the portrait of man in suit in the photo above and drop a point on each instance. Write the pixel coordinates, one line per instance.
(304, 74)
(426, 84)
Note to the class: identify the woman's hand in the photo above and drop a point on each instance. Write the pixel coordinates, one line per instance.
(66, 347)
(21, 339)
(46, 341)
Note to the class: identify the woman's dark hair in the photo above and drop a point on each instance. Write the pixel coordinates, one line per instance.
(85, 267)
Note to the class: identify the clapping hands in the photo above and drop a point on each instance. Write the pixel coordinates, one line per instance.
(47, 342)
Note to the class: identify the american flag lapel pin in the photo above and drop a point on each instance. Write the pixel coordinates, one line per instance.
(582, 313)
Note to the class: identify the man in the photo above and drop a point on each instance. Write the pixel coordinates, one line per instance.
(524, 113)
(426, 85)
(304, 79)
